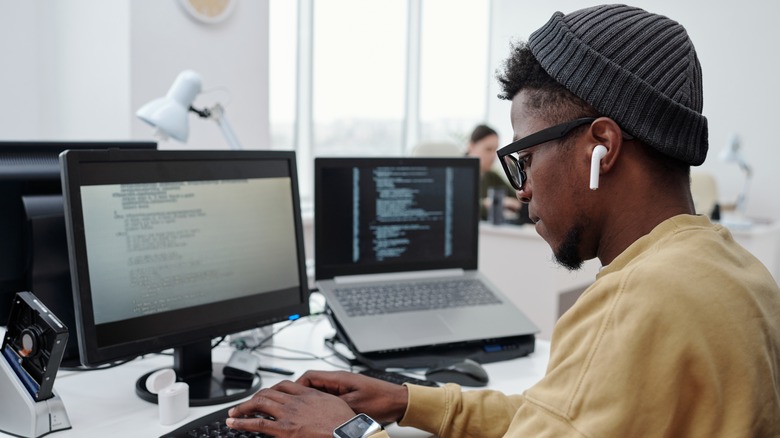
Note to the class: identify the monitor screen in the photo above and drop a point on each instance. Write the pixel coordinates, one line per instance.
(171, 249)
(395, 214)
(33, 248)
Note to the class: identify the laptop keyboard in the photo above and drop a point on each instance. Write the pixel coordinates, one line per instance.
(397, 378)
(405, 297)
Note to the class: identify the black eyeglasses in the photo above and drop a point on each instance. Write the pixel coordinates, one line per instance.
(515, 170)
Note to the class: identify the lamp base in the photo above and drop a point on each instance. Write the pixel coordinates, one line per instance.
(736, 222)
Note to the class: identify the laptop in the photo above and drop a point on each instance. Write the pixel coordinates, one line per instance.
(388, 223)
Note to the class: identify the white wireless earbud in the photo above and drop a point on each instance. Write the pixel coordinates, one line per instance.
(595, 162)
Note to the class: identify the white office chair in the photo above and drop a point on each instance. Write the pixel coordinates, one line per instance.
(437, 149)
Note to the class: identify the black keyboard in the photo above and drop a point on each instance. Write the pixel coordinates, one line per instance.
(422, 295)
(211, 425)
(397, 378)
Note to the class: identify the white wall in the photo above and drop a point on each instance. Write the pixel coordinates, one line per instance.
(84, 69)
(231, 56)
(18, 75)
(737, 47)
(79, 69)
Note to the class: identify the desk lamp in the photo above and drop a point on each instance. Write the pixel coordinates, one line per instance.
(169, 114)
(733, 154)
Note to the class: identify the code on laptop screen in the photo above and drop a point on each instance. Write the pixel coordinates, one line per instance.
(382, 215)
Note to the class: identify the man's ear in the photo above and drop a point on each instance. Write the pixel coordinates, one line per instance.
(608, 139)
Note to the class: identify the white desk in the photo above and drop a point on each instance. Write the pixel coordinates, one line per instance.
(520, 263)
(103, 403)
(762, 239)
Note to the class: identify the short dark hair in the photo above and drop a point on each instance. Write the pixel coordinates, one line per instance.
(480, 132)
(551, 100)
(555, 104)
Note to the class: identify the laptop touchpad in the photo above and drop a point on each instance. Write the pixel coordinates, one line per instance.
(416, 328)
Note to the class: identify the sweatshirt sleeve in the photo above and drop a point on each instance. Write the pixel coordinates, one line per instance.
(450, 412)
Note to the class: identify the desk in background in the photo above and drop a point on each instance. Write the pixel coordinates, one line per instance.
(762, 239)
(103, 403)
(520, 263)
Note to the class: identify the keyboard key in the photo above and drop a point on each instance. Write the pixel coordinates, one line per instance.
(211, 425)
(405, 297)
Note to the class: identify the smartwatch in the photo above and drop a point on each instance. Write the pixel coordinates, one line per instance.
(359, 426)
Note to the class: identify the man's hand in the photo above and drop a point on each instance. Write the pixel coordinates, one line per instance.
(296, 410)
(383, 401)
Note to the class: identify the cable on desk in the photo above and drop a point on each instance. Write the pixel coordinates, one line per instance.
(274, 333)
(251, 343)
(219, 341)
(308, 356)
(213, 346)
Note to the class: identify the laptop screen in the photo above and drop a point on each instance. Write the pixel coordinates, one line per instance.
(380, 215)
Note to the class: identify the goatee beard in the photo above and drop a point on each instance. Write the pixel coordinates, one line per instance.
(567, 254)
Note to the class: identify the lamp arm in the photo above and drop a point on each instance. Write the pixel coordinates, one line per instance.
(205, 113)
(219, 116)
(742, 197)
(217, 113)
(741, 204)
(746, 168)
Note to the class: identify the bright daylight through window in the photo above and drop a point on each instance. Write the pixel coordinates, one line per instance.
(392, 75)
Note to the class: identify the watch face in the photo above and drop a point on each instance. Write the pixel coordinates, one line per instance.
(356, 427)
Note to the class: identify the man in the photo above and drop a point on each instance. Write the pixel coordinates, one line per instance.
(680, 333)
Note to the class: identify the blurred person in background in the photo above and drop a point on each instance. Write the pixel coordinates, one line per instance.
(483, 144)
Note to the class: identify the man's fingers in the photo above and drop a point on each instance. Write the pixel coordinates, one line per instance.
(254, 424)
(264, 401)
(327, 381)
(291, 388)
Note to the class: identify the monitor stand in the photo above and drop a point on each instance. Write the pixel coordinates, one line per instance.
(207, 385)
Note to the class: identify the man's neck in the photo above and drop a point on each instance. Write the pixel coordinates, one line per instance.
(636, 219)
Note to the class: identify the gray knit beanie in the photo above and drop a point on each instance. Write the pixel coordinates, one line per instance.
(638, 68)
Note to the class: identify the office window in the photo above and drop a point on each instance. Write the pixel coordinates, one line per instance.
(374, 78)
(358, 77)
(282, 70)
(453, 69)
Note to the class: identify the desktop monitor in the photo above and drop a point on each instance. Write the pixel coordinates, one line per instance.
(33, 248)
(172, 249)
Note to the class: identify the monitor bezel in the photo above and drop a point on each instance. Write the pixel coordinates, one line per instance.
(92, 354)
(30, 168)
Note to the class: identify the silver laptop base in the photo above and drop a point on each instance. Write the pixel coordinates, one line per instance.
(483, 351)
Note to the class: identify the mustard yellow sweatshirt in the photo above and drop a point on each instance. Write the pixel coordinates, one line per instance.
(678, 336)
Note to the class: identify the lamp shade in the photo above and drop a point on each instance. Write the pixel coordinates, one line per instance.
(169, 114)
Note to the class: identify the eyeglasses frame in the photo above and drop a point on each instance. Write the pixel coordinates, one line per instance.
(548, 134)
